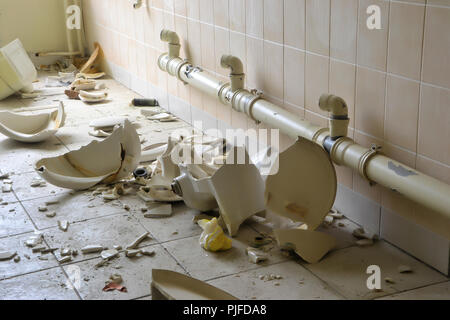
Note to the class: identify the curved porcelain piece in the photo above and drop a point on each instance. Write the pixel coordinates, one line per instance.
(305, 185)
(106, 161)
(170, 285)
(236, 188)
(32, 128)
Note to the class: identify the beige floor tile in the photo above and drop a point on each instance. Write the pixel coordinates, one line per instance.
(19, 157)
(10, 103)
(71, 207)
(178, 226)
(107, 231)
(439, 291)
(16, 243)
(14, 220)
(44, 285)
(345, 271)
(204, 265)
(9, 197)
(23, 190)
(136, 274)
(297, 283)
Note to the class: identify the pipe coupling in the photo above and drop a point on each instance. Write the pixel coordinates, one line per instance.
(365, 158)
(243, 101)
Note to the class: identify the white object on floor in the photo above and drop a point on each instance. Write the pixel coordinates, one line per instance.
(17, 72)
(106, 161)
(33, 127)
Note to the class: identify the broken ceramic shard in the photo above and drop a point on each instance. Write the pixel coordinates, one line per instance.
(109, 254)
(38, 249)
(256, 255)
(404, 269)
(92, 97)
(99, 134)
(92, 249)
(132, 253)
(7, 255)
(328, 220)
(51, 214)
(65, 259)
(360, 233)
(364, 242)
(35, 183)
(163, 117)
(66, 252)
(152, 152)
(138, 240)
(63, 225)
(213, 238)
(148, 253)
(304, 188)
(35, 240)
(163, 211)
(107, 161)
(107, 124)
(94, 76)
(83, 84)
(311, 246)
(236, 188)
(336, 214)
(158, 190)
(6, 188)
(170, 285)
(31, 128)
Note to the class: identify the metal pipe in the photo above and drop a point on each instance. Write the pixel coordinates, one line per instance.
(373, 166)
(79, 32)
(69, 36)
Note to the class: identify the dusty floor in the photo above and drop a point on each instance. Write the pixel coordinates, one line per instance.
(341, 275)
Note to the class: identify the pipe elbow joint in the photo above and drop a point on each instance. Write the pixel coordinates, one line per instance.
(333, 104)
(339, 120)
(172, 38)
(233, 63)
(237, 75)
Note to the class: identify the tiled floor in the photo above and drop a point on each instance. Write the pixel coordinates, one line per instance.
(340, 275)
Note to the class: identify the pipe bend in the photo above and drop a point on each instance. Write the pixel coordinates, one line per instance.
(333, 104)
(174, 42)
(170, 36)
(233, 63)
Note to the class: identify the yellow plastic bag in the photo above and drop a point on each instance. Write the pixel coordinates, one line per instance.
(213, 238)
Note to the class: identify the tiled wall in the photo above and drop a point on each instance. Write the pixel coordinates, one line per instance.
(396, 80)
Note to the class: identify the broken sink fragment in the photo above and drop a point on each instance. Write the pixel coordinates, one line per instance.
(106, 161)
(170, 285)
(311, 246)
(32, 128)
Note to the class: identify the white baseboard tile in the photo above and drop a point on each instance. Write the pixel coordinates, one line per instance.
(180, 108)
(139, 86)
(120, 74)
(154, 92)
(423, 244)
(204, 121)
(358, 208)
